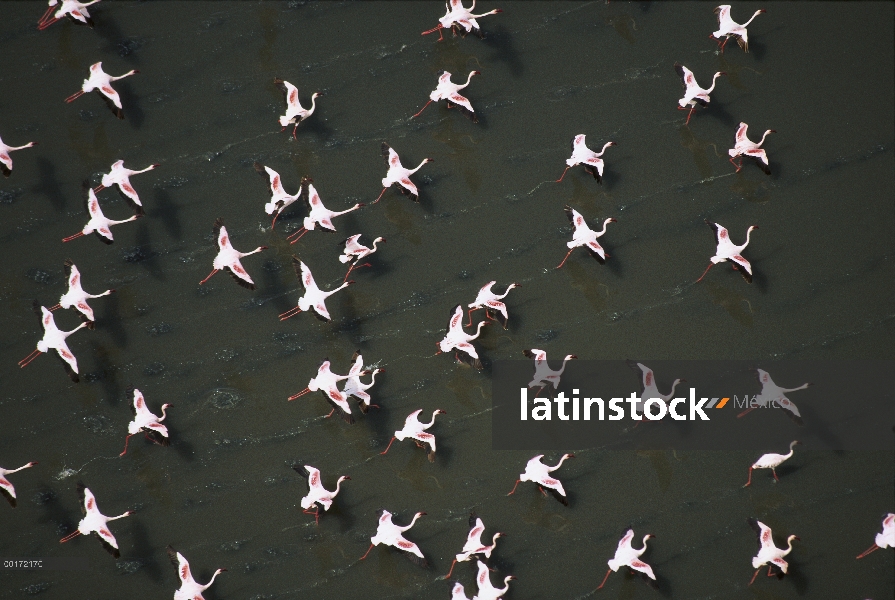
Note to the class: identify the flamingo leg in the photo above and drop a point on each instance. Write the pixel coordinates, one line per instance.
(294, 129)
(774, 471)
(46, 15)
(25, 361)
(287, 315)
(73, 237)
(724, 44)
(421, 110)
(330, 414)
(543, 491)
(368, 551)
(748, 483)
(472, 310)
(299, 395)
(605, 578)
(746, 412)
(299, 237)
(563, 174)
(389, 446)
(770, 573)
(452, 569)
(209, 277)
(75, 96)
(46, 24)
(514, 487)
(872, 548)
(692, 108)
(55, 308)
(565, 259)
(274, 222)
(99, 188)
(711, 264)
(738, 166)
(754, 576)
(70, 536)
(380, 195)
(126, 440)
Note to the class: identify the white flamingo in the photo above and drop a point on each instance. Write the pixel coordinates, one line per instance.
(585, 236)
(458, 15)
(318, 496)
(95, 522)
(456, 338)
(327, 382)
(6, 159)
(391, 535)
(398, 174)
(76, 296)
(885, 539)
(120, 175)
(490, 301)
(98, 222)
(544, 375)
(295, 112)
(74, 10)
(746, 147)
(54, 339)
(474, 544)
(449, 91)
(228, 258)
(101, 81)
(727, 250)
(357, 388)
(147, 422)
(774, 395)
(768, 552)
(190, 589)
(279, 198)
(538, 472)
(487, 591)
(728, 28)
(354, 252)
(319, 215)
(771, 461)
(648, 387)
(694, 94)
(6, 487)
(457, 593)
(627, 555)
(582, 155)
(313, 298)
(416, 430)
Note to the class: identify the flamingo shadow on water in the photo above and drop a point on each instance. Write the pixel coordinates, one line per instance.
(48, 183)
(500, 40)
(167, 211)
(131, 102)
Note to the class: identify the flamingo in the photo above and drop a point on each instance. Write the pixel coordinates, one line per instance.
(457, 593)
(727, 250)
(320, 215)
(771, 461)
(728, 28)
(354, 252)
(544, 375)
(190, 589)
(313, 297)
(95, 522)
(416, 430)
(585, 236)
(582, 155)
(54, 338)
(398, 174)
(318, 496)
(295, 113)
(538, 472)
(456, 338)
(768, 553)
(6, 160)
(327, 382)
(775, 395)
(75, 296)
(146, 421)
(490, 301)
(746, 147)
(7, 488)
(98, 222)
(456, 15)
(102, 83)
(390, 534)
(449, 91)
(627, 555)
(120, 175)
(648, 387)
(74, 10)
(487, 591)
(694, 94)
(886, 539)
(357, 388)
(474, 543)
(279, 198)
(228, 257)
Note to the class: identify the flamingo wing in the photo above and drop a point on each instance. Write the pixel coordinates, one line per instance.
(456, 318)
(183, 567)
(721, 234)
(596, 250)
(765, 537)
(789, 408)
(625, 542)
(338, 401)
(320, 309)
(9, 491)
(741, 133)
(639, 565)
(240, 275)
(461, 101)
(413, 552)
(108, 540)
(289, 91)
(685, 74)
(71, 362)
(304, 274)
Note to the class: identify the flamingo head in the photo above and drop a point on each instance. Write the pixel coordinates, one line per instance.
(568, 456)
(439, 412)
(316, 95)
(32, 463)
(379, 239)
(344, 478)
(475, 73)
(164, 406)
(428, 160)
(220, 571)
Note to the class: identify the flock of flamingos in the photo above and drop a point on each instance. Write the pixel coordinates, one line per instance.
(457, 19)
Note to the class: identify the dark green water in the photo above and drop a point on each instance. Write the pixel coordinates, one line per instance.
(204, 106)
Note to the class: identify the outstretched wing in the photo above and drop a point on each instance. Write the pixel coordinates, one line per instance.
(456, 318)
(686, 75)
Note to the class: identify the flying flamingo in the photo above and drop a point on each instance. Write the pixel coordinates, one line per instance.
(98, 222)
(728, 28)
(354, 252)
(727, 250)
(768, 553)
(774, 395)
(320, 215)
(487, 591)
(295, 113)
(279, 198)
(474, 544)
(648, 387)
(771, 461)
(544, 375)
(228, 257)
(457, 593)
(456, 15)
(456, 338)
(886, 539)
(74, 10)
(390, 534)
(398, 174)
(319, 497)
(189, 588)
(75, 296)
(327, 382)
(120, 176)
(449, 91)
(95, 522)
(538, 472)
(694, 94)
(102, 83)
(585, 236)
(490, 301)
(746, 147)
(146, 422)
(54, 339)
(313, 297)
(582, 155)
(357, 388)
(416, 430)
(626, 555)
(6, 160)
(10, 492)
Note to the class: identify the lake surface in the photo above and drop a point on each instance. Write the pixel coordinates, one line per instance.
(204, 106)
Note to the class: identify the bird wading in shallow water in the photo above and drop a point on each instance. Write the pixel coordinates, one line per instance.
(771, 461)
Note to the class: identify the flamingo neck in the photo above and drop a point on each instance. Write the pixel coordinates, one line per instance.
(746, 24)
(673, 387)
(338, 486)
(420, 166)
(121, 516)
(373, 378)
(606, 145)
(749, 233)
(468, 79)
(643, 549)
(478, 330)
(376, 241)
(763, 137)
(788, 545)
(605, 224)
(65, 334)
(564, 457)
(714, 80)
(163, 413)
(313, 103)
(430, 423)
(210, 581)
(417, 515)
(507, 579)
